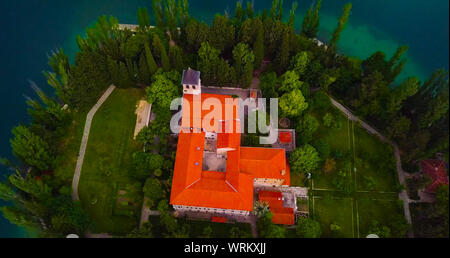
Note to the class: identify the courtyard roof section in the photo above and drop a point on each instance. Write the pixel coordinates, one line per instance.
(198, 107)
(191, 77)
(265, 163)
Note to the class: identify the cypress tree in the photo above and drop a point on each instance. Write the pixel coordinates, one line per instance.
(176, 58)
(258, 46)
(124, 76)
(273, 9)
(144, 71)
(143, 18)
(341, 25)
(239, 13)
(310, 24)
(250, 10)
(243, 62)
(280, 11)
(282, 56)
(292, 14)
(150, 60)
(159, 14)
(164, 59)
(157, 44)
(113, 69)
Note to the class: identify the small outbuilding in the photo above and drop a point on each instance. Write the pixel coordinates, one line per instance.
(437, 171)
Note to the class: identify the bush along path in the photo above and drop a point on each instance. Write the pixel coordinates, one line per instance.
(84, 140)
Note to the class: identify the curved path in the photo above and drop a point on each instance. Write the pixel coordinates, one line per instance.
(84, 140)
(401, 174)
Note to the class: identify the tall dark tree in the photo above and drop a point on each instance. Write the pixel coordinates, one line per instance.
(258, 45)
(340, 27)
(208, 57)
(143, 18)
(243, 59)
(292, 14)
(150, 60)
(246, 33)
(159, 13)
(59, 78)
(282, 57)
(176, 58)
(144, 71)
(195, 33)
(222, 33)
(310, 25)
(31, 148)
(161, 50)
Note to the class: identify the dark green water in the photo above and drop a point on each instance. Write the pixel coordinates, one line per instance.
(32, 28)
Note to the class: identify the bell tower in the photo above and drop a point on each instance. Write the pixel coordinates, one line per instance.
(191, 82)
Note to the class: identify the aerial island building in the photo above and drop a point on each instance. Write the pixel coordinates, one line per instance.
(213, 174)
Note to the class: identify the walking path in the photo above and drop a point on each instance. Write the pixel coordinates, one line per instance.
(84, 140)
(401, 174)
(146, 212)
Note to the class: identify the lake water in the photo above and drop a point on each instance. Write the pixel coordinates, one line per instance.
(33, 28)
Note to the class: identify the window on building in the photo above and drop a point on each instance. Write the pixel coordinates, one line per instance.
(187, 86)
(193, 87)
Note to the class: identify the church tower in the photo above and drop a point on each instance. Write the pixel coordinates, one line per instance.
(191, 82)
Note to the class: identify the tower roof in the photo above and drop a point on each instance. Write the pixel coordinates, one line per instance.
(191, 77)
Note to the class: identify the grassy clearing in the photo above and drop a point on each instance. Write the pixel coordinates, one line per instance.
(106, 190)
(328, 210)
(338, 140)
(375, 163)
(379, 210)
(298, 179)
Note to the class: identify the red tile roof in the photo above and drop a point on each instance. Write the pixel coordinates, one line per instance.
(265, 163)
(281, 214)
(232, 189)
(436, 170)
(285, 137)
(219, 219)
(284, 216)
(207, 105)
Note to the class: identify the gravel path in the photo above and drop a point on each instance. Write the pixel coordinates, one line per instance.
(84, 140)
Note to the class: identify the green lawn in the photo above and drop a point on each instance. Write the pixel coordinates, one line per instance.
(338, 140)
(329, 210)
(298, 179)
(379, 210)
(108, 164)
(375, 163)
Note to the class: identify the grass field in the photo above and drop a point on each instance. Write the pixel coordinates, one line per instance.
(375, 177)
(298, 179)
(339, 140)
(108, 164)
(328, 210)
(379, 210)
(376, 160)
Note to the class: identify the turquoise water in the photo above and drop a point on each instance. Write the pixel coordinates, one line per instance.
(32, 28)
